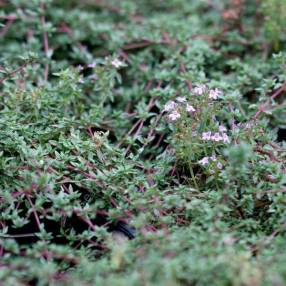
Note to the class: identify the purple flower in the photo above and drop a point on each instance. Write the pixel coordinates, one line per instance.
(219, 165)
(216, 137)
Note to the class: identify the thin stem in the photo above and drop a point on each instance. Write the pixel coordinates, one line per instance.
(10, 21)
(193, 176)
(46, 42)
(13, 72)
(216, 183)
(86, 220)
(34, 211)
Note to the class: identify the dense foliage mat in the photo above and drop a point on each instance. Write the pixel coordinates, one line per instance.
(142, 142)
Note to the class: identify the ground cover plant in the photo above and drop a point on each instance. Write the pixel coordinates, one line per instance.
(142, 142)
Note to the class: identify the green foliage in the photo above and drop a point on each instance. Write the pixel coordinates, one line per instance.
(275, 21)
(158, 115)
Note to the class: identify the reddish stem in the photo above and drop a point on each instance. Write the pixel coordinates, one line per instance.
(34, 212)
(86, 220)
(262, 107)
(13, 72)
(10, 20)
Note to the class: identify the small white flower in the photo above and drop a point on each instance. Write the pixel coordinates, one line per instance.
(206, 135)
(200, 89)
(228, 240)
(94, 76)
(92, 65)
(117, 63)
(216, 137)
(219, 165)
(204, 161)
(213, 158)
(194, 133)
(170, 105)
(174, 115)
(80, 67)
(214, 93)
(181, 99)
(81, 80)
(221, 128)
(225, 138)
(190, 108)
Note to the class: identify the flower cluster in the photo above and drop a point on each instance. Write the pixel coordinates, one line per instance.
(93, 65)
(80, 68)
(170, 105)
(214, 93)
(206, 160)
(202, 89)
(216, 137)
(174, 115)
(175, 108)
(202, 127)
(90, 66)
(115, 62)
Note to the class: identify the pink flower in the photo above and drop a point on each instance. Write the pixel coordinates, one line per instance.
(174, 115)
(181, 99)
(204, 161)
(190, 108)
(117, 63)
(206, 135)
(221, 128)
(216, 137)
(214, 93)
(200, 89)
(170, 105)
(225, 138)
